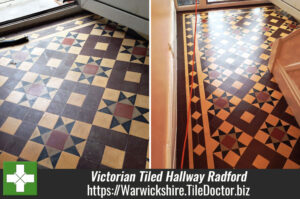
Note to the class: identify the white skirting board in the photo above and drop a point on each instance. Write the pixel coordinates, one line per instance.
(118, 12)
(290, 6)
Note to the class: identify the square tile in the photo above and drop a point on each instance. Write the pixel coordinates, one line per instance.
(139, 129)
(55, 82)
(67, 161)
(260, 162)
(15, 97)
(48, 120)
(81, 129)
(76, 99)
(53, 62)
(248, 117)
(31, 151)
(11, 125)
(41, 104)
(102, 120)
(113, 158)
(101, 46)
(6, 157)
(133, 76)
(3, 79)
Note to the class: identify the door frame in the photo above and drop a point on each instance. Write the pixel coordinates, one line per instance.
(204, 5)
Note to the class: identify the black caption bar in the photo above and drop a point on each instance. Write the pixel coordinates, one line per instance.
(166, 183)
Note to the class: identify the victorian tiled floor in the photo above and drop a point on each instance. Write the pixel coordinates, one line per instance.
(76, 96)
(239, 117)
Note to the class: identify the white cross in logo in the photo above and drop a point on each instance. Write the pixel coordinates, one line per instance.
(20, 178)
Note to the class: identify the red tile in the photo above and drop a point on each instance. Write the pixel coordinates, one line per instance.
(263, 96)
(124, 110)
(139, 51)
(57, 140)
(228, 141)
(220, 102)
(213, 74)
(35, 89)
(90, 69)
(68, 41)
(278, 134)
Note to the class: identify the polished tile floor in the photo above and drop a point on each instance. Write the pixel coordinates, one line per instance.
(76, 96)
(239, 117)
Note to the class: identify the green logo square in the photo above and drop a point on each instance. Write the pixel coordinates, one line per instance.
(19, 178)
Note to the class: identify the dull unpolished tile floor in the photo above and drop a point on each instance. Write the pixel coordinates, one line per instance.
(76, 96)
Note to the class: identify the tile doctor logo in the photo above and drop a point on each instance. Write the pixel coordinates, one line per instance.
(19, 178)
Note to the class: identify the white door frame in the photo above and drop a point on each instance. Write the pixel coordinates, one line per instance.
(204, 5)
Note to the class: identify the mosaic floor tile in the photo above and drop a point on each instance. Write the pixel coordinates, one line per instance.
(250, 124)
(58, 90)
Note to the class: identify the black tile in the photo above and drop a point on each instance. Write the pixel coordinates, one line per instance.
(25, 130)
(71, 111)
(132, 161)
(87, 115)
(68, 85)
(86, 164)
(137, 146)
(56, 107)
(4, 139)
(4, 92)
(93, 152)
(99, 135)
(33, 116)
(118, 140)
(62, 96)
(18, 111)
(15, 145)
(82, 88)
(6, 107)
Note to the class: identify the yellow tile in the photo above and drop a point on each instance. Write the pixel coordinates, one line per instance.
(26, 66)
(133, 76)
(3, 79)
(37, 51)
(102, 120)
(101, 46)
(113, 158)
(10, 125)
(82, 36)
(96, 32)
(260, 162)
(6, 157)
(76, 99)
(82, 59)
(75, 50)
(30, 77)
(111, 94)
(237, 84)
(108, 62)
(119, 34)
(31, 151)
(142, 101)
(139, 129)
(48, 120)
(124, 57)
(231, 158)
(41, 104)
(53, 62)
(100, 81)
(73, 76)
(67, 161)
(81, 129)
(247, 117)
(55, 82)
(4, 61)
(128, 42)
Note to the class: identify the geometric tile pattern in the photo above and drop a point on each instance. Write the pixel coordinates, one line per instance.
(250, 124)
(65, 101)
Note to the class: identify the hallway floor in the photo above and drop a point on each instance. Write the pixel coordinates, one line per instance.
(76, 96)
(239, 117)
